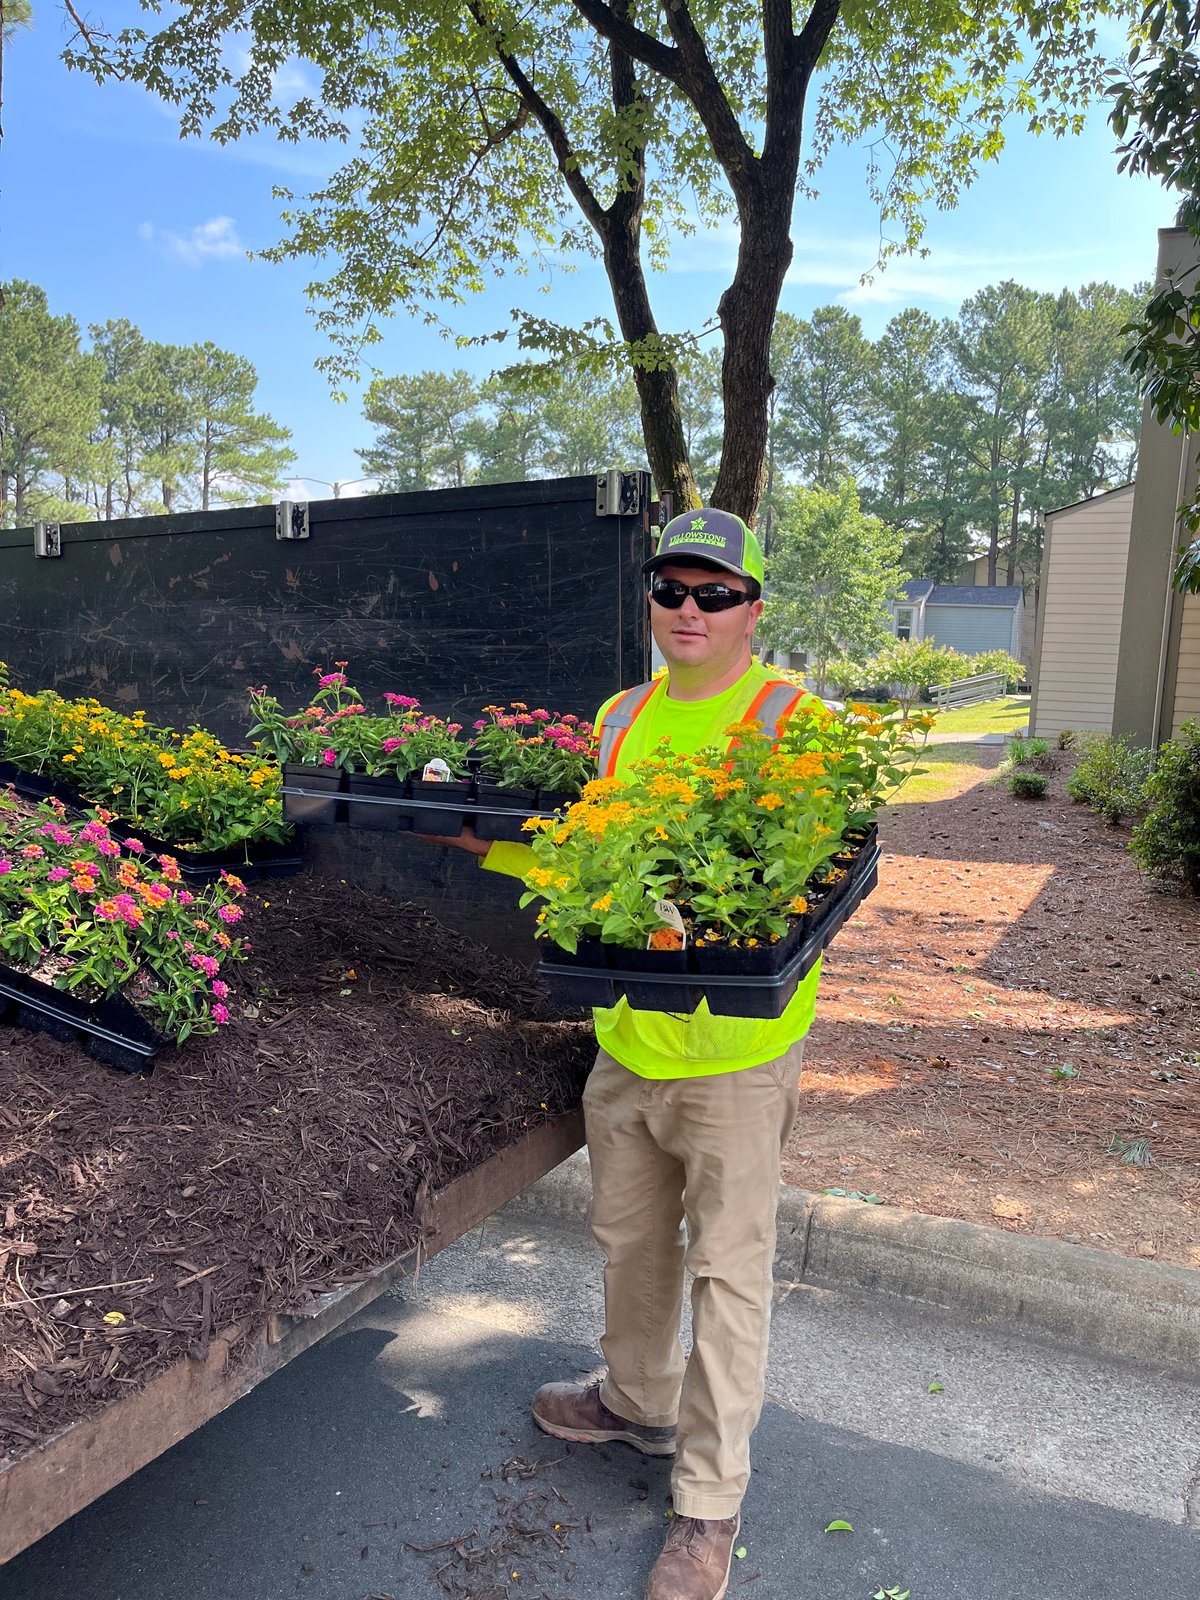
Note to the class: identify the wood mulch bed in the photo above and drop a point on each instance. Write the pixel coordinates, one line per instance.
(1009, 938)
(373, 1056)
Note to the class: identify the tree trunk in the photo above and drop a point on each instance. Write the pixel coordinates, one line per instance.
(1013, 534)
(747, 313)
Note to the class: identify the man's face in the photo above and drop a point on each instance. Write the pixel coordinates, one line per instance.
(693, 638)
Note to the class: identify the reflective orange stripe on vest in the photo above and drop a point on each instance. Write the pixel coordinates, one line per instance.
(617, 723)
(772, 705)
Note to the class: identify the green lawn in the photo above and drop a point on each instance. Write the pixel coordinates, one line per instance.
(989, 716)
(948, 770)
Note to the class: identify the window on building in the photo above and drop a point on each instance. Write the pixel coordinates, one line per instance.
(904, 622)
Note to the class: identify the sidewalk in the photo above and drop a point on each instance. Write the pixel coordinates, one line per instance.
(397, 1461)
(972, 738)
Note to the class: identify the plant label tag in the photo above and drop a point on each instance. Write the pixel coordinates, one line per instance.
(668, 914)
(436, 771)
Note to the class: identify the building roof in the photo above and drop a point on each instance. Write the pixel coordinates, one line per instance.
(918, 588)
(1122, 488)
(963, 594)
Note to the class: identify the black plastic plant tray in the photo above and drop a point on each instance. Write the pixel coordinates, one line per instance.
(113, 1031)
(268, 858)
(409, 803)
(729, 995)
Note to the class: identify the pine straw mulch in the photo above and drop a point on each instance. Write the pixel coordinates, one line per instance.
(1008, 938)
(373, 1056)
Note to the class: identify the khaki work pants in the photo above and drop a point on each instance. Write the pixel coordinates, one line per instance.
(705, 1150)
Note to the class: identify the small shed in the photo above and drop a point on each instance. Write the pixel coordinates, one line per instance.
(967, 617)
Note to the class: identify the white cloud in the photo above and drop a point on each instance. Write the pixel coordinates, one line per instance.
(839, 264)
(214, 240)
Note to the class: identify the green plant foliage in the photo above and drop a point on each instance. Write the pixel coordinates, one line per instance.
(1027, 785)
(1110, 776)
(1029, 753)
(911, 667)
(494, 138)
(998, 661)
(89, 915)
(830, 578)
(1166, 842)
(1156, 93)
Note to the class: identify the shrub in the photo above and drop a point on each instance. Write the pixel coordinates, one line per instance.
(912, 666)
(1029, 753)
(1027, 785)
(1111, 776)
(1166, 843)
(1066, 739)
(1012, 670)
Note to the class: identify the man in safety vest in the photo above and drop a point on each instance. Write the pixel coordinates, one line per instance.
(686, 1116)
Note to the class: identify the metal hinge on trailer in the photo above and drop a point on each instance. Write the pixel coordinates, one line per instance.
(622, 494)
(291, 519)
(47, 539)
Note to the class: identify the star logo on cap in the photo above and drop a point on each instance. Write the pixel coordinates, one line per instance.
(698, 525)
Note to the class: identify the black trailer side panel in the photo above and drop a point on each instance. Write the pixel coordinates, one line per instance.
(457, 596)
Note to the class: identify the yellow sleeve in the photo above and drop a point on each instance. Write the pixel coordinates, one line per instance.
(513, 860)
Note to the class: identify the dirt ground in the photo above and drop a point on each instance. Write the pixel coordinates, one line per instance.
(1008, 939)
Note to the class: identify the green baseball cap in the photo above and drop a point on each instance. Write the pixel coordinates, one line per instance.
(717, 538)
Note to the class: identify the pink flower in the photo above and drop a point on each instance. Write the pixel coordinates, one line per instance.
(57, 874)
(328, 757)
(205, 964)
(543, 716)
(406, 701)
(184, 898)
(5, 866)
(389, 745)
(230, 913)
(56, 831)
(33, 852)
(332, 680)
(220, 989)
(220, 1013)
(482, 723)
(135, 845)
(108, 847)
(454, 727)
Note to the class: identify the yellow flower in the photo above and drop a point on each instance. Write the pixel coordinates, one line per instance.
(603, 904)
(542, 876)
(601, 789)
(739, 730)
(769, 801)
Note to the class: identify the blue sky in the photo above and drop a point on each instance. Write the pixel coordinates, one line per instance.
(114, 215)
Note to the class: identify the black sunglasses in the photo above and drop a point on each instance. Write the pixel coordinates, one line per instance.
(670, 594)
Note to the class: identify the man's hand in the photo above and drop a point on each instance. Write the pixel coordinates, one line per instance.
(465, 840)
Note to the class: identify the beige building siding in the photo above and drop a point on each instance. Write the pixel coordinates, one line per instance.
(1187, 681)
(1079, 631)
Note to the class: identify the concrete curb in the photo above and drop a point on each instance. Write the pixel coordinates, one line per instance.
(1089, 1299)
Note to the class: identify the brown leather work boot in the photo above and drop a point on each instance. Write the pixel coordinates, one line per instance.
(575, 1411)
(695, 1561)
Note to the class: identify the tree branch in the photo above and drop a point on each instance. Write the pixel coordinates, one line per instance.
(790, 62)
(556, 133)
(644, 47)
(700, 83)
